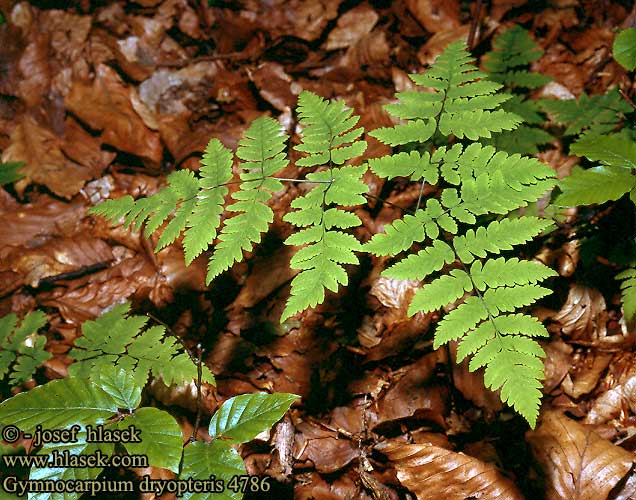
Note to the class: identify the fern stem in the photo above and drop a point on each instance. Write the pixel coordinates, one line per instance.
(301, 180)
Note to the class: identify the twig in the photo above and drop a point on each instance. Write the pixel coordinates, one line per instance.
(627, 98)
(474, 25)
(197, 422)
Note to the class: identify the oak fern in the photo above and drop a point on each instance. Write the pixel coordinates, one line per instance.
(458, 231)
(329, 139)
(21, 348)
(513, 50)
(118, 339)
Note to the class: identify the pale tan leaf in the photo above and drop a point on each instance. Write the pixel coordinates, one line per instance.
(434, 473)
(578, 464)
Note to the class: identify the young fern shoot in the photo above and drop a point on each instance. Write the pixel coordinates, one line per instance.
(462, 230)
(329, 139)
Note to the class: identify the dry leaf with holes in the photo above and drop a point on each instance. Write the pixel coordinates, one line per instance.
(434, 473)
(577, 462)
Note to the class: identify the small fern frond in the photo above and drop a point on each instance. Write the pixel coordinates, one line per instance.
(21, 347)
(628, 292)
(329, 139)
(513, 50)
(588, 115)
(328, 136)
(463, 103)
(118, 339)
(262, 152)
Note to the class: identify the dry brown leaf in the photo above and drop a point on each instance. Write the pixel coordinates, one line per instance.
(435, 15)
(351, 27)
(328, 451)
(45, 162)
(587, 374)
(578, 464)
(434, 473)
(583, 317)
(105, 105)
(557, 363)
(274, 85)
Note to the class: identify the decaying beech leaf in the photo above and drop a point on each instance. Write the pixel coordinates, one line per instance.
(45, 161)
(351, 27)
(434, 473)
(578, 464)
(105, 105)
(587, 374)
(583, 317)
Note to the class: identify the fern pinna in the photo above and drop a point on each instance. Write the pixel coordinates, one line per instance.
(513, 50)
(463, 228)
(330, 139)
(193, 205)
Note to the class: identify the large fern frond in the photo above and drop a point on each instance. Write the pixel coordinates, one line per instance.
(329, 139)
(262, 152)
(466, 245)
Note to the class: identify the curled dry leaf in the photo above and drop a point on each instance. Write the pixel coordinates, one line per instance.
(557, 363)
(434, 473)
(620, 395)
(578, 464)
(327, 450)
(587, 374)
(583, 317)
(105, 105)
(274, 85)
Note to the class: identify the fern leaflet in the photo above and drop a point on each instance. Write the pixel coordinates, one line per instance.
(21, 348)
(513, 50)
(117, 339)
(329, 139)
(262, 153)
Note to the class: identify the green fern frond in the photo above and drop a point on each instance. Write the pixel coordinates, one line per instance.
(262, 152)
(193, 205)
(205, 216)
(463, 103)
(118, 339)
(475, 182)
(21, 348)
(329, 139)
(513, 50)
(588, 115)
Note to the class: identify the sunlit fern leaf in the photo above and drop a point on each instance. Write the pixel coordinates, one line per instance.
(463, 103)
(117, 338)
(329, 136)
(262, 152)
(459, 239)
(329, 139)
(21, 347)
(205, 217)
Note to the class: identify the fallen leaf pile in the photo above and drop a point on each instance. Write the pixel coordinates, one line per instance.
(104, 99)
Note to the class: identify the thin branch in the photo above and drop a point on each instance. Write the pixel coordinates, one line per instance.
(197, 422)
(627, 98)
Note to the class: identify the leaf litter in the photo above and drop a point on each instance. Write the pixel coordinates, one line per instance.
(135, 90)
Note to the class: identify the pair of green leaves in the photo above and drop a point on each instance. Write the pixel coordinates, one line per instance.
(72, 401)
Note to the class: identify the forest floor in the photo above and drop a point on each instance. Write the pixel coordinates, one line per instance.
(102, 99)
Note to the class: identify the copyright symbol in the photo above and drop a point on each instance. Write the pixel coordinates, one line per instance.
(10, 433)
